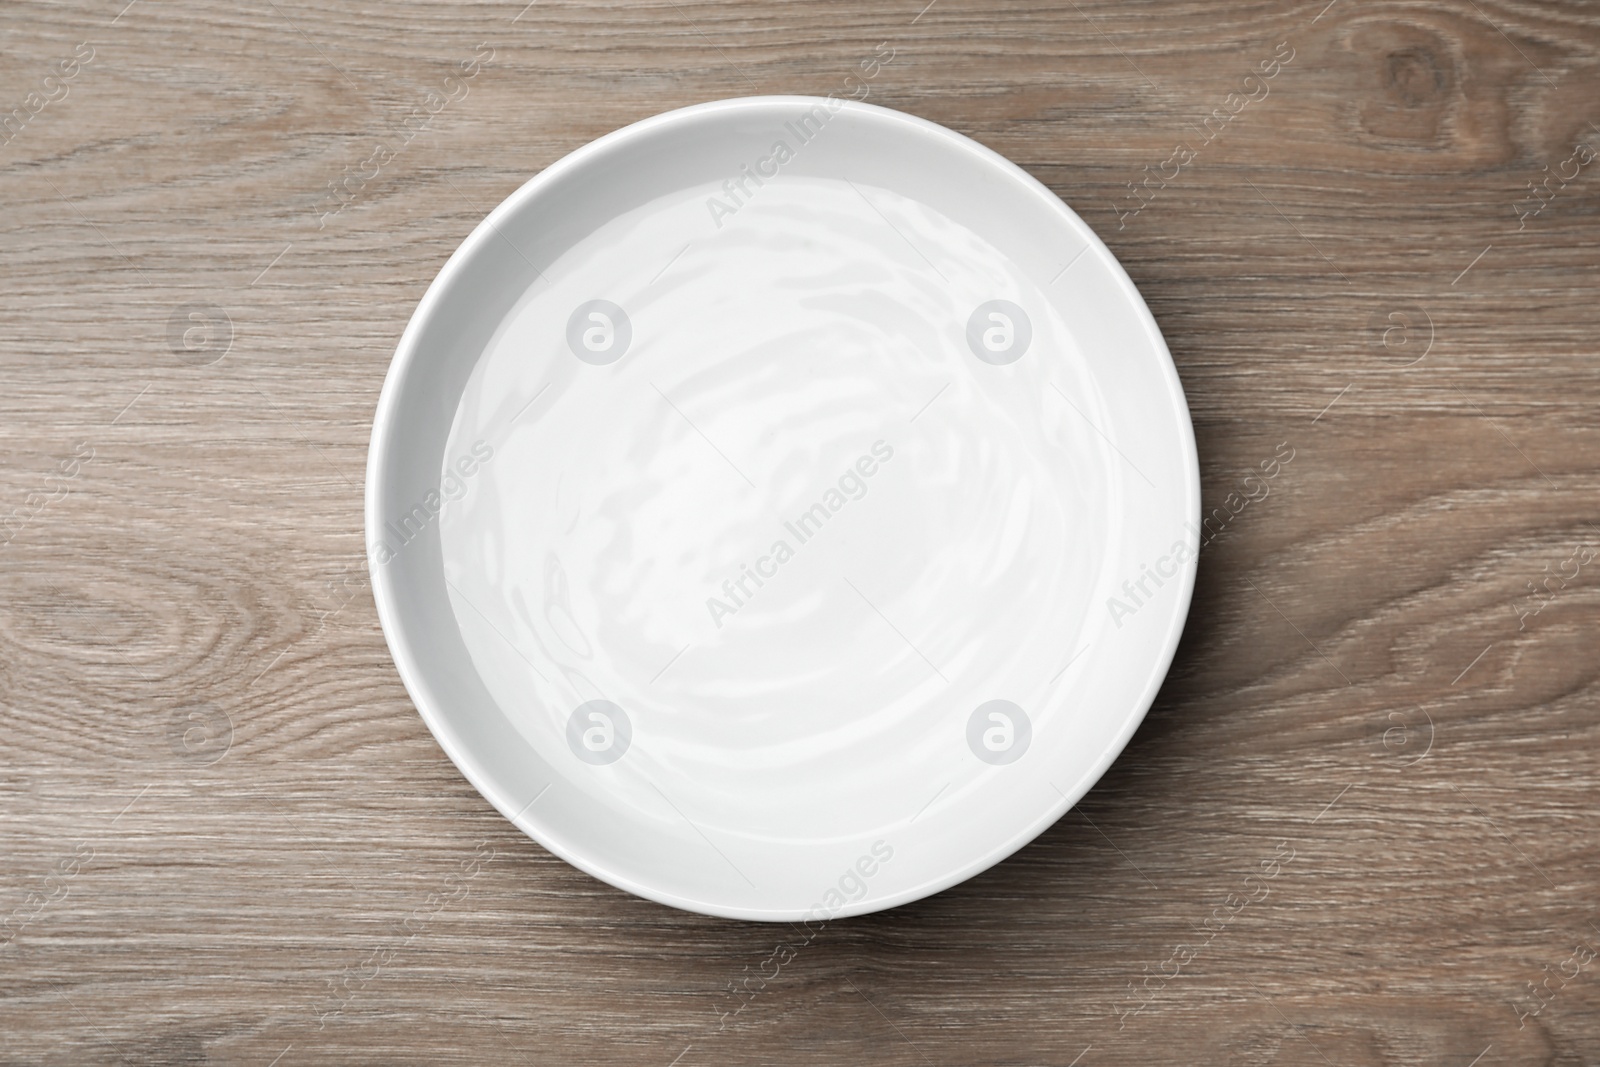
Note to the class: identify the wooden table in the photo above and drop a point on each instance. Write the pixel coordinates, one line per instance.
(228, 836)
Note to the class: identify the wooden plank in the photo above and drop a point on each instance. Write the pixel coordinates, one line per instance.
(227, 831)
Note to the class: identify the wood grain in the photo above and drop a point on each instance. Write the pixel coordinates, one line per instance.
(227, 833)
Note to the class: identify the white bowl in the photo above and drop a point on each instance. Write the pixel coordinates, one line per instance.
(782, 508)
